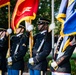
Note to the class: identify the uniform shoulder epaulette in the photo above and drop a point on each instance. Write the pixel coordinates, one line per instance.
(12, 36)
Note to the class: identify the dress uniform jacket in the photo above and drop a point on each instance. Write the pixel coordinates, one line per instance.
(63, 54)
(40, 62)
(17, 56)
(3, 51)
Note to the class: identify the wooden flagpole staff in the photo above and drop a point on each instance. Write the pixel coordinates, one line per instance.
(30, 39)
(8, 52)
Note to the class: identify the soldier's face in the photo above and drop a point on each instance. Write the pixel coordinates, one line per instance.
(40, 27)
(18, 30)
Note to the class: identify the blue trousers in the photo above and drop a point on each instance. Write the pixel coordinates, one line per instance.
(13, 72)
(36, 72)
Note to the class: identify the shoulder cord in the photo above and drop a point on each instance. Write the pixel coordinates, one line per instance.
(42, 42)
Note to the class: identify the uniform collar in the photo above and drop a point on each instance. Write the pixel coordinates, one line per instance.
(1, 38)
(43, 32)
(19, 34)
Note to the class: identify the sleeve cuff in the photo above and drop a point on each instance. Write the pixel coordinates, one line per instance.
(36, 60)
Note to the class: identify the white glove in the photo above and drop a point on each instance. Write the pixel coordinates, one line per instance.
(52, 26)
(30, 28)
(9, 31)
(9, 60)
(54, 65)
(31, 61)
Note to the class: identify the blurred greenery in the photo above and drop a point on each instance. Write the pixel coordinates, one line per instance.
(73, 56)
(26, 57)
(73, 67)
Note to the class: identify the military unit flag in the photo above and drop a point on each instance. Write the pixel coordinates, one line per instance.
(4, 3)
(70, 22)
(70, 25)
(62, 11)
(67, 16)
(24, 10)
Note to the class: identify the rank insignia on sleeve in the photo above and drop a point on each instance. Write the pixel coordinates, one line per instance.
(23, 45)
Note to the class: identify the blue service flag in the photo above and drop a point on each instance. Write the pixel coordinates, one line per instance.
(70, 8)
(70, 25)
(62, 11)
(69, 12)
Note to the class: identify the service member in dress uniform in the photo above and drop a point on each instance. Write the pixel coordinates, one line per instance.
(19, 44)
(41, 49)
(63, 52)
(3, 49)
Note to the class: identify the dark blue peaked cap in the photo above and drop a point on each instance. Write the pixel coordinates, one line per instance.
(43, 21)
(22, 26)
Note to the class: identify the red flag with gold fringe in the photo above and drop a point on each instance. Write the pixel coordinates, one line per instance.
(4, 3)
(24, 10)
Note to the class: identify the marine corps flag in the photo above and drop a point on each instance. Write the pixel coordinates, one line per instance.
(24, 10)
(4, 3)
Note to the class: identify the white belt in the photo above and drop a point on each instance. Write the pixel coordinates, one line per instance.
(60, 73)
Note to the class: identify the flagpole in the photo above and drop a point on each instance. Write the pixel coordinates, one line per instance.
(8, 52)
(31, 41)
(30, 38)
(52, 7)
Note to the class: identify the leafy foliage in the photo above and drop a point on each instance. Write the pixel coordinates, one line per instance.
(73, 67)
